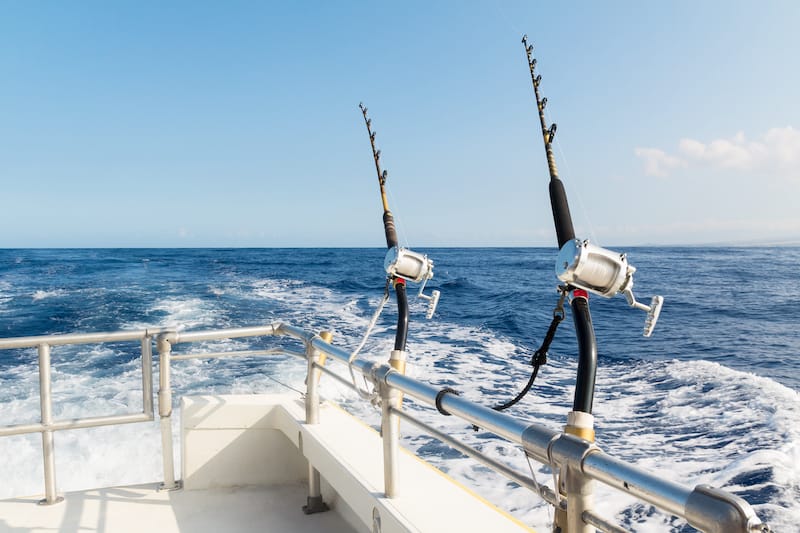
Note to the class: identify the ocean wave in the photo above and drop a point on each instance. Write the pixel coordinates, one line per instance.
(459, 283)
(5, 294)
(181, 313)
(702, 422)
(45, 294)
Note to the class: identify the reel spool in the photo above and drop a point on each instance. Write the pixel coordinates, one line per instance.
(412, 266)
(595, 269)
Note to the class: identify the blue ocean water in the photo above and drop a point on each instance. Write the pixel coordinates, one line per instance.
(711, 397)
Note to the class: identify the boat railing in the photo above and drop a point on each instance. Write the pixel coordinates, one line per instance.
(47, 426)
(577, 462)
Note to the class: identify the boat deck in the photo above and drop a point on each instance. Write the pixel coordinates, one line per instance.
(144, 508)
(245, 465)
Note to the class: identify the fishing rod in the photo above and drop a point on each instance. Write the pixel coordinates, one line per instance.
(583, 267)
(401, 264)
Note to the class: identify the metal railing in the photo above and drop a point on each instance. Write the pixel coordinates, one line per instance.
(579, 463)
(48, 426)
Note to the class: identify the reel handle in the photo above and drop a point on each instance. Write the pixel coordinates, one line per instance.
(652, 314)
(433, 301)
(653, 310)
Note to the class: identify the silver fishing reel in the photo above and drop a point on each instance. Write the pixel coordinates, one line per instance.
(587, 266)
(412, 266)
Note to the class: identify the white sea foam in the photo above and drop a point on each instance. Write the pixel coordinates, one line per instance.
(318, 308)
(42, 295)
(181, 313)
(186, 313)
(5, 290)
(700, 422)
(217, 290)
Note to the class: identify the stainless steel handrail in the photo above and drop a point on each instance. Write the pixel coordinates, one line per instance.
(703, 507)
(80, 338)
(48, 426)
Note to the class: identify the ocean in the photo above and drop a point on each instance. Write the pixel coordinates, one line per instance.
(712, 397)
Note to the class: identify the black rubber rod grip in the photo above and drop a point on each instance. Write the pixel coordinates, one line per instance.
(402, 317)
(391, 232)
(563, 220)
(587, 355)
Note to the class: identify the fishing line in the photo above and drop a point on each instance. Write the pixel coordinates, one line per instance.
(364, 393)
(301, 393)
(401, 264)
(566, 172)
(576, 192)
(544, 112)
(537, 485)
(509, 21)
(398, 220)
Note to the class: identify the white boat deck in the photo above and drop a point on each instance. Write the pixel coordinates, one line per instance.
(143, 508)
(245, 468)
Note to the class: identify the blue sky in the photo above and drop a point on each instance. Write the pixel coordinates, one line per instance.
(237, 123)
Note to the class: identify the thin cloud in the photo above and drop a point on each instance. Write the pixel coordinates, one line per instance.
(778, 150)
(735, 153)
(785, 146)
(657, 162)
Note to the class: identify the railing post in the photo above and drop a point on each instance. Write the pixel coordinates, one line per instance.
(580, 489)
(391, 401)
(314, 503)
(570, 451)
(313, 375)
(165, 412)
(147, 376)
(390, 431)
(580, 492)
(48, 441)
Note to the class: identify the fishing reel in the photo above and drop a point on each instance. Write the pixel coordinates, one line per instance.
(590, 267)
(412, 266)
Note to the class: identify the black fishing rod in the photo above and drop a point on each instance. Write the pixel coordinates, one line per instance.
(391, 239)
(558, 196)
(388, 218)
(401, 264)
(565, 233)
(583, 267)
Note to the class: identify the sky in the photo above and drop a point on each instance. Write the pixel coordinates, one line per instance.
(236, 124)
